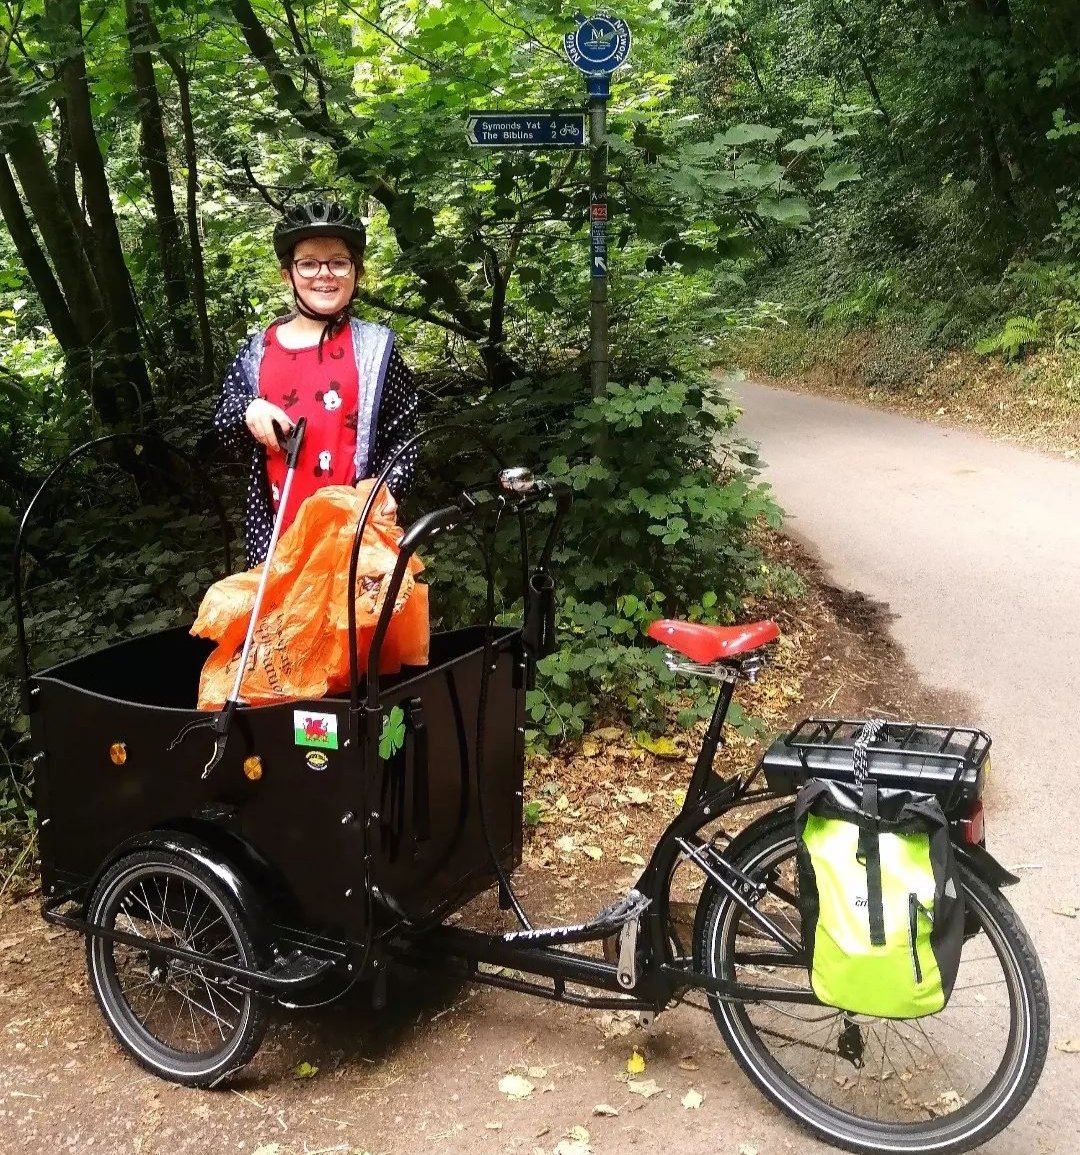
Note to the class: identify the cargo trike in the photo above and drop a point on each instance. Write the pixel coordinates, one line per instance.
(299, 868)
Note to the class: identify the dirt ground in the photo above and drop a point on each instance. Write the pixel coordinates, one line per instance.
(424, 1075)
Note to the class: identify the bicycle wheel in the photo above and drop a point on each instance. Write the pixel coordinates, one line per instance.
(185, 1023)
(945, 1083)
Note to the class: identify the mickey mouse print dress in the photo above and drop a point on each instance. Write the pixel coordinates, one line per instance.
(359, 387)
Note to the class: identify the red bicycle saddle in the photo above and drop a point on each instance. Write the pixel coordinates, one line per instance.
(703, 643)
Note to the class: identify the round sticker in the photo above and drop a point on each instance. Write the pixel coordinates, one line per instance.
(598, 44)
(316, 760)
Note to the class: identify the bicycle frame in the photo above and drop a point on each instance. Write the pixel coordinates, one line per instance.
(659, 974)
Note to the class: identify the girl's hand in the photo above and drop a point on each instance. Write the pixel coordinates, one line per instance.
(261, 417)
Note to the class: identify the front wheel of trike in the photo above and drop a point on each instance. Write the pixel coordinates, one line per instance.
(180, 1019)
(945, 1083)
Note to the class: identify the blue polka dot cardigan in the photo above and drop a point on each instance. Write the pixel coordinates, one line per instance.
(386, 420)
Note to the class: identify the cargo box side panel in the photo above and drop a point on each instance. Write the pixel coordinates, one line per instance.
(290, 816)
(454, 863)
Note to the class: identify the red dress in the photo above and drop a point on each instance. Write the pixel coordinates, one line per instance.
(327, 393)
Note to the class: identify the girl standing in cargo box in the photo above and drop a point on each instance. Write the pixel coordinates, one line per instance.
(343, 374)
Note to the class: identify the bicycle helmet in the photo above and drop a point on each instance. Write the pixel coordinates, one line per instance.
(318, 219)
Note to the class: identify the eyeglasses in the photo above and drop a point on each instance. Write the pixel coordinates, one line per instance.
(309, 268)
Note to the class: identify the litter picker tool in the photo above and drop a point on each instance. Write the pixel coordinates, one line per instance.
(220, 723)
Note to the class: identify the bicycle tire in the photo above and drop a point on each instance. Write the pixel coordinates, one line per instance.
(977, 1118)
(137, 888)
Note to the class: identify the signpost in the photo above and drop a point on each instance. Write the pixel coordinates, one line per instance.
(597, 47)
(526, 129)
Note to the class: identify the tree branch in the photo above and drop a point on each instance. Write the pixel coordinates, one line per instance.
(420, 314)
(308, 60)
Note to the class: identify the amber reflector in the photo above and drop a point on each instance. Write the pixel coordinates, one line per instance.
(253, 767)
(118, 753)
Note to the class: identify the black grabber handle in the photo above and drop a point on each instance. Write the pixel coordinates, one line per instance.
(291, 445)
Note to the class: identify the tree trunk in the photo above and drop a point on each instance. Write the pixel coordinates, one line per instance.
(134, 404)
(52, 298)
(64, 167)
(62, 241)
(155, 158)
(868, 76)
(191, 160)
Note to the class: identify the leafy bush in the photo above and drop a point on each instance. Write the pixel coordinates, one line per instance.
(657, 529)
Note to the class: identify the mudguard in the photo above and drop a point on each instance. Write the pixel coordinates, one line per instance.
(980, 861)
(196, 849)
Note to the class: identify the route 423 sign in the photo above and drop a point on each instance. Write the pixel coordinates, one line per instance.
(598, 45)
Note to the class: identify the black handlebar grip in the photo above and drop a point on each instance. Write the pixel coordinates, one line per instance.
(293, 443)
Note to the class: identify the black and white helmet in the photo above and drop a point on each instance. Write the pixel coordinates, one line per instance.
(318, 219)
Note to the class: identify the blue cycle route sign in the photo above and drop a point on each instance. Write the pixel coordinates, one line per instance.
(526, 129)
(598, 45)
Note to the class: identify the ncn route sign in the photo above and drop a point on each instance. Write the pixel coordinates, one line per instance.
(526, 129)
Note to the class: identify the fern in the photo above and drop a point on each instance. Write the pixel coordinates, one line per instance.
(1013, 340)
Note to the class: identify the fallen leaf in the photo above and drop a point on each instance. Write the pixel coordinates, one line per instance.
(636, 796)
(606, 1110)
(616, 1023)
(594, 852)
(572, 1147)
(305, 1071)
(635, 1065)
(661, 747)
(692, 1100)
(1069, 1046)
(565, 844)
(578, 1133)
(537, 1072)
(492, 1126)
(563, 803)
(515, 1087)
(688, 1064)
(646, 1088)
(746, 1149)
(1067, 911)
(632, 859)
(589, 749)
(607, 734)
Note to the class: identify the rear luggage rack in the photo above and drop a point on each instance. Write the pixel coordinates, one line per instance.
(946, 761)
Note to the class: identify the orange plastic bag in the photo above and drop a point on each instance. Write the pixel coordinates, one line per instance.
(301, 644)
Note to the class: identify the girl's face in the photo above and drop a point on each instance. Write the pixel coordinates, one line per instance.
(324, 293)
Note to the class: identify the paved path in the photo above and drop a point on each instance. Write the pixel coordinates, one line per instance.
(975, 547)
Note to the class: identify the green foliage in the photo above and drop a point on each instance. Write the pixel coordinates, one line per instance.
(1018, 335)
(959, 121)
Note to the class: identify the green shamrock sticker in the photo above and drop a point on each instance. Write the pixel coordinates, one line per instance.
(392, 737)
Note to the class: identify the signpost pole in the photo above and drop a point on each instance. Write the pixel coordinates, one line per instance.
(598, 46)
(598, 320)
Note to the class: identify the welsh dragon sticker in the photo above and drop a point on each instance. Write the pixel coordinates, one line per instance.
(318, 730)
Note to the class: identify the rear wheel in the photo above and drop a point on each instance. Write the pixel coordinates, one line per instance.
(181, 1020)
(944, 1083)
